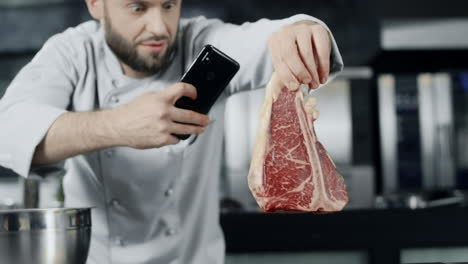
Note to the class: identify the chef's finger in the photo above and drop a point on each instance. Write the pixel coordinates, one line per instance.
(290, 55)
(189, 117)
(286, 76)
(306, 50)
(322, 49)
(178, 90)
(185, 129)
(168, 139)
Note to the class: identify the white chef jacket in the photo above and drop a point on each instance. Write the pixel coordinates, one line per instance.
(153, 206)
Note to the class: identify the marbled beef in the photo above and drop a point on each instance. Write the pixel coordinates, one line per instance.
(290, 168)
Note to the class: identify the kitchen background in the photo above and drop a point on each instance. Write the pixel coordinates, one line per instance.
(395, 123)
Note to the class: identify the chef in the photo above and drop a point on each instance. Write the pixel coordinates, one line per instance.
(98, 102)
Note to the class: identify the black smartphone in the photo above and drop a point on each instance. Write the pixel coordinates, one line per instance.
(210, 73)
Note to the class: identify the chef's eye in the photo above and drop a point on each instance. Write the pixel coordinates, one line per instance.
(137, 8)
(169, 5)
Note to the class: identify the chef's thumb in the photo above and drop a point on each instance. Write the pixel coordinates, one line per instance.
(183, 89)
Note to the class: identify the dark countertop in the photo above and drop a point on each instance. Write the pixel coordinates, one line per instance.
(382, 233)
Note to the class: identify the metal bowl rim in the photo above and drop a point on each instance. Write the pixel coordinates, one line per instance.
(48, 230)
(44, 210)
(18, 220)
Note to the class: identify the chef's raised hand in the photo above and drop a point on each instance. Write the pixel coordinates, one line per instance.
(301, 54)
(150, 120)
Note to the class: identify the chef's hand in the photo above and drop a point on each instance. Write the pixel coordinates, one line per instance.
(150, 120)
(301, 54)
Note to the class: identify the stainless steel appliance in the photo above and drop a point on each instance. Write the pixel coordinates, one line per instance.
(45, 236)
(422, 130)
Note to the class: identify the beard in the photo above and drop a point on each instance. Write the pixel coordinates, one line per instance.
(127, 52)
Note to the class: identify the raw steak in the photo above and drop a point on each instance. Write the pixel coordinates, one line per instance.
(290, 169)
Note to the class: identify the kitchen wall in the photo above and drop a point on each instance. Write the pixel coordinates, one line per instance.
(362, 28)
(27, 24)
(351, 21)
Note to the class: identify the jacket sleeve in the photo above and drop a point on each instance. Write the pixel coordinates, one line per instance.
(37, 96)
(248, 44)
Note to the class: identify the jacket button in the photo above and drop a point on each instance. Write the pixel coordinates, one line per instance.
(109, 153)
(170, 232)
(169, 192)
(114, 203)
(114, 99)
(118, 241)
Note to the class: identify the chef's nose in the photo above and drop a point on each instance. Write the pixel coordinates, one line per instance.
(156, 24)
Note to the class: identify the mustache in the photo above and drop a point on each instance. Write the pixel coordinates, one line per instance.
(154, 38)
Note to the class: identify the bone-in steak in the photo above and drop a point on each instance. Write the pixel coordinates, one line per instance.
(290, 168)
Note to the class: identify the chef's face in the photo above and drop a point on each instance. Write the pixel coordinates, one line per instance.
(142, 33)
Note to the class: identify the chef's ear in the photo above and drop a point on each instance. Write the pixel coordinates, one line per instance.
(96, 8)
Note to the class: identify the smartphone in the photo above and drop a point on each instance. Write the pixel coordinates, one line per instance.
(210, 73)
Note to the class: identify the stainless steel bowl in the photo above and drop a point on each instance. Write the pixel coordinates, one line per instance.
(45, 236)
